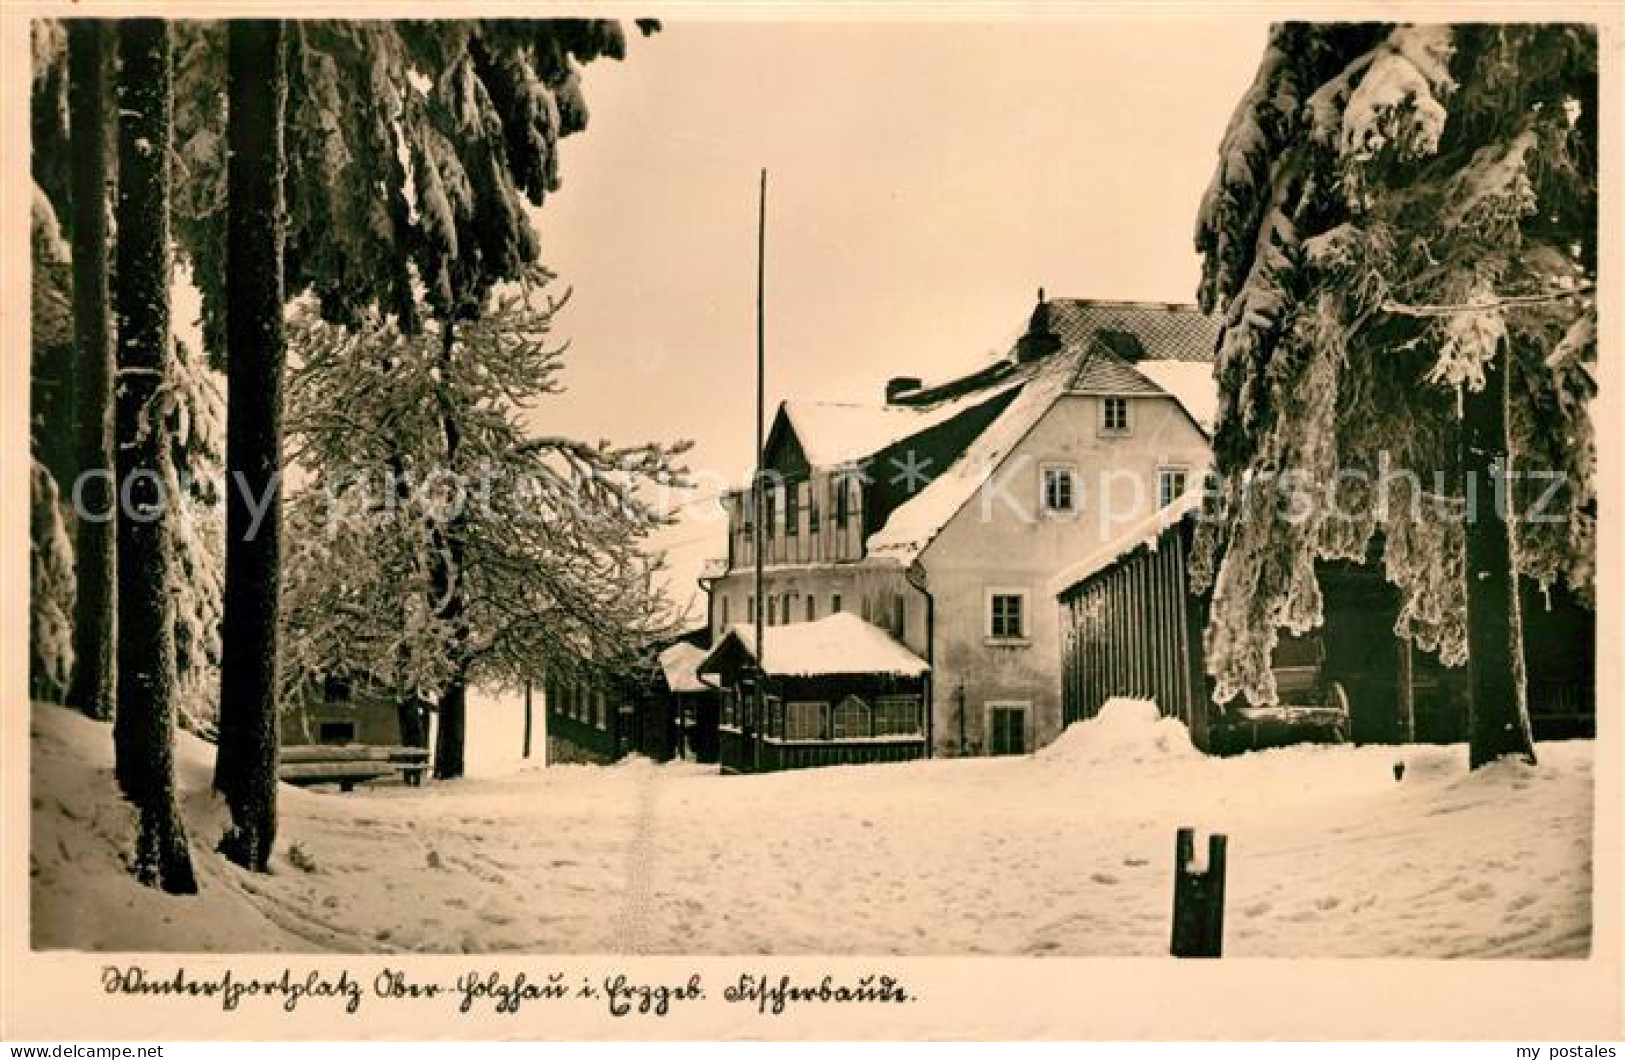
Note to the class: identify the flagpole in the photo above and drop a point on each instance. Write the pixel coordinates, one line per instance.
(758, 490)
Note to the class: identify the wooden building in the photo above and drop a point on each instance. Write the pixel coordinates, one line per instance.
(693, 703)
(835, 691)
(1131, 627)
(347, 730)
(338, 710)
(654, 706)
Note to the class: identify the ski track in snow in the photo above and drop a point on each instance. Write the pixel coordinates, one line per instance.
(632, 927)
(1066, 852)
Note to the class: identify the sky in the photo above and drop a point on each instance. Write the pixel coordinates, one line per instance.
(924, 181)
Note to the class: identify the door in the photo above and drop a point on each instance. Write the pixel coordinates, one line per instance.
(1007, 723)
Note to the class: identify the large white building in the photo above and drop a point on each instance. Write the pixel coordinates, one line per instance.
(940, 515)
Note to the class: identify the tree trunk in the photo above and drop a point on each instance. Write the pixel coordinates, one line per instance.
(527, 718)
(1499, 715)
(409, 716)
(448, 742)
(449, 583)
(96, 534)
(144, 727)
(246, 764)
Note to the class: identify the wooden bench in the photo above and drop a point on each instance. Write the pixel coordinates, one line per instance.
(350, 764)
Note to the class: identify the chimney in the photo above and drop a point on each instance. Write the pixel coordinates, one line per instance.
(899, 385)
(1040, 340)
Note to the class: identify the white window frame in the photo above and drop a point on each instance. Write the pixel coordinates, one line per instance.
(1025, 637)
(1044, 471)
(1106, 429)
(1165, 470)
(915, 704)
(823, 720)
(868, 717)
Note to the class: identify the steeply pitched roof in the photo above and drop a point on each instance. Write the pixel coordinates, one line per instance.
(1166, 331)
(680, 663)
(915, 522)
(832, 434)
(841, 643)
(1171, 347)
(1106, 374)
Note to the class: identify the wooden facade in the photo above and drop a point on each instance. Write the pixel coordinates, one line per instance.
(337, 711)
(1132, 628)
(603, 714)
(861, 719)
(838, 691)
(604, 717)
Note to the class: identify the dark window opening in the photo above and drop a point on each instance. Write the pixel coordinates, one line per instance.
(335, 732)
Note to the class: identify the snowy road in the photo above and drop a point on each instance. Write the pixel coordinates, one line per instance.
(1066, 852)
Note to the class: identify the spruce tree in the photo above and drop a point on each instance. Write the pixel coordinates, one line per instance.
(1400, 238)
(143, 728)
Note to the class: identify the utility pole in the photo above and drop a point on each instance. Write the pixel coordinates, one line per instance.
(758, 486)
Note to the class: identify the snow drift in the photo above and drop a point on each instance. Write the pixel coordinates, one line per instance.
(1068, 852)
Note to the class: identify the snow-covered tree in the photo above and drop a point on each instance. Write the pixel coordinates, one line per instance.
(143, 728)
(412, 148)
(432, 557)
(1401, 239)
(51, 585)
(195, 419)
(50, 590)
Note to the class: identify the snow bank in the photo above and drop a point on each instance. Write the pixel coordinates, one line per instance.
(1125, 730)
(1064, 852)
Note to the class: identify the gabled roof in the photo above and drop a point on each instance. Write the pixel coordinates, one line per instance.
(680, 663)
(1107, 374)
(833, 434)
(841, 643)
(1171, 347)
(1166, 331)
(918, 520)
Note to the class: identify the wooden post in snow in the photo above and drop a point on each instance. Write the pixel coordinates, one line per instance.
(1407, 693)
(1198, 898)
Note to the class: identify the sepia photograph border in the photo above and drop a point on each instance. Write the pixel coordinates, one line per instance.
(60, 995)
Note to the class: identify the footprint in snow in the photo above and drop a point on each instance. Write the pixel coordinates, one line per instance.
(1257, 909)
(1136, 863)
(1103, 877)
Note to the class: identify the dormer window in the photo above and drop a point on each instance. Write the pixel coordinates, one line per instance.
(1114, 416)
(792, 510)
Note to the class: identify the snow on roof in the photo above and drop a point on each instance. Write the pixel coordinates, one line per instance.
(680, 663)
(1106, 347)
(836, 433)
(1191, 383)
(1145, 532)
(841, 643)
(917, 521)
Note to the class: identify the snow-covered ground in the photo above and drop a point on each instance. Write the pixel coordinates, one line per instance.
(1065, 852)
